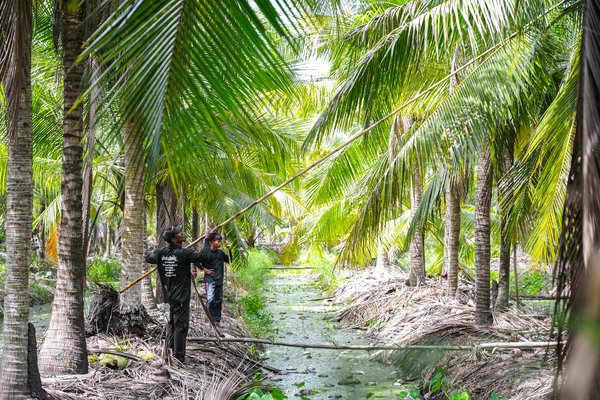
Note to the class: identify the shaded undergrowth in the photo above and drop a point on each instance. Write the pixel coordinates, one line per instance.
(251, 282)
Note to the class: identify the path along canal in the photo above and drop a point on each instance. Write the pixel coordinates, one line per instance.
(320, 373)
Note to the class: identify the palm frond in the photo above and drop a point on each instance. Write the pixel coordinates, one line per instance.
(578, 263)
(15, 52)
(189, 66)
(542, 185)
(427, 32)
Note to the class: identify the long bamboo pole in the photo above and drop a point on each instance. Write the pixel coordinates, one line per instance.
(485, 55)
(327, 156)
(491, 345)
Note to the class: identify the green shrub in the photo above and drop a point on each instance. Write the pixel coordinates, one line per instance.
(252, 278)
(533, 282)
(258, 394)
(40, 292)
(328, 279)
(256, 317)
(104, 270)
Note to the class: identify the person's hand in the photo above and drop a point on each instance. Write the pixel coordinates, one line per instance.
(208, 271)
(194, 272)
(227, 244)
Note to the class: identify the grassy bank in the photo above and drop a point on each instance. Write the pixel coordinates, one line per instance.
(251, 282)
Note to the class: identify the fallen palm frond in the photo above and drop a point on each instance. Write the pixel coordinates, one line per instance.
(210, 373)
(399, 315)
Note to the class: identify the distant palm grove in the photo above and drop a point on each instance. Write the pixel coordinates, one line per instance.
(451, 133)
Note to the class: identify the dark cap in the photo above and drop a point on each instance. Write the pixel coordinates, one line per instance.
(170, 233)
(216, 236)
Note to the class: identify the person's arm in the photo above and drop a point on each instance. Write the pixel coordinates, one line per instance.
(206, 248)
(202, 255)
(207, 271)
(152, 258)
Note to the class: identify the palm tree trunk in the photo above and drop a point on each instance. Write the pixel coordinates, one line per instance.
(195, 227)
(417, 244)
(382, 264)
(167, 210)
(87, 173)
(64, 348)
(451, 237)
(483, 198)
(166, 216)
(107, 240)
(19, 202)
(148, 300)
(132, 255)
(579, 256)
(504, 268)
(452, 215)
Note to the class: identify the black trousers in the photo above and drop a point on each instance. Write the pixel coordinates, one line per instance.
(179, 324)
(214, 295)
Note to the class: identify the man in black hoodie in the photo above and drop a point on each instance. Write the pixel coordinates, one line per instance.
(174, 269)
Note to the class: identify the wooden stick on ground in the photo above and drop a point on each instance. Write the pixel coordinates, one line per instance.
(492, 345)
(206, 311)
(256, 363)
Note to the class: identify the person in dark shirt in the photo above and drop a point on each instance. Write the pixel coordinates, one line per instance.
(214, 269)
(173, 264)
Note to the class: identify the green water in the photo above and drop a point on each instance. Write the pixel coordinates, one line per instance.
(318, 373)
(38, 315)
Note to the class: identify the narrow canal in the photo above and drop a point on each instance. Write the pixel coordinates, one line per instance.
(318, 373)
(38, 315)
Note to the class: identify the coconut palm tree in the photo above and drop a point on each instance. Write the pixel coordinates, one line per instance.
(452, 212)
(401, 44)
(483, 198)
(64, 349)
(505, 241)
(195, 78)
(134, 219)
(15, 74)
(579, 265)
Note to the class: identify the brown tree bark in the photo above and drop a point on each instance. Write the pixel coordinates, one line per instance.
(505, 245)
(148, 299)
(88, 173)
(19, 198)
(195, 227)
(483, 198)
(417, 244)
(167, 215)
(452, 214)
(134, 217)
(64, 348)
